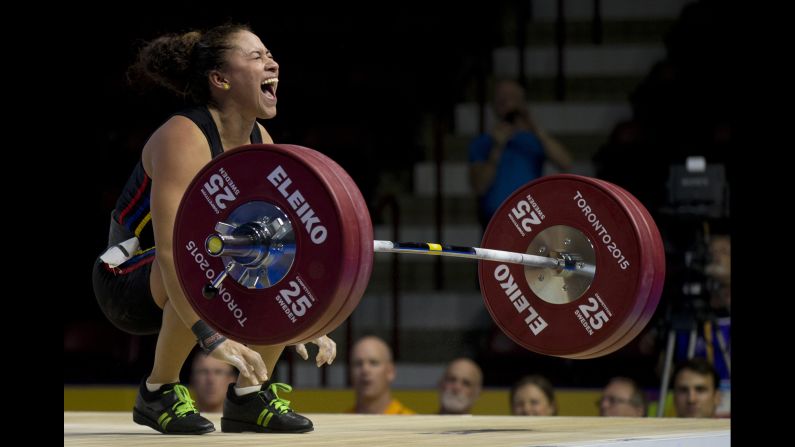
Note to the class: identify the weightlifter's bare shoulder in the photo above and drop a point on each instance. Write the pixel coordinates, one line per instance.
(176, 149)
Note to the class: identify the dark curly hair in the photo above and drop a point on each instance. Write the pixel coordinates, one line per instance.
(182, 62)
(699, 366)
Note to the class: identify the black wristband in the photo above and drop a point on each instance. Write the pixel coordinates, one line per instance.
(207, 338)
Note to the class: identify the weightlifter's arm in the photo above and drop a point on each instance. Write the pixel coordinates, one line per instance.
(172, 157)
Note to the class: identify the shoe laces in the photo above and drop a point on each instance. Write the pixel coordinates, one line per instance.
(184, 405)
(281, 405)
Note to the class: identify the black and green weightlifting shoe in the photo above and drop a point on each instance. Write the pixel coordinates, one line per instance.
(169, 410)
(263, 411)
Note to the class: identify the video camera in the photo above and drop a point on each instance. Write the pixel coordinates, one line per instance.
(699, 189)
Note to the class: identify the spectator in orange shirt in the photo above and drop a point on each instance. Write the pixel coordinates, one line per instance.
(372, 374)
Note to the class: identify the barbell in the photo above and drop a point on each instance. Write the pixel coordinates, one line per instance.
(273, 244)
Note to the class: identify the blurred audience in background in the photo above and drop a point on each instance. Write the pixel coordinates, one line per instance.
(209, 380)
(696, 389)
(533, 395)
(622, 397)
(372, 373)
(459, 387)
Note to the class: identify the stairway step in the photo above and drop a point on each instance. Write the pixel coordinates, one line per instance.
(455, 181)
(418, 273)
(456, 148)
(579, 60)
(421, 210)
(581, 32)
(422, 309)
(611, 10)
(581, 146)
(576, 89)
(582, 89)
(409, 375)
(557, 118)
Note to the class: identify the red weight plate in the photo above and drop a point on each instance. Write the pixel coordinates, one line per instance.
(657, 252)
(622, 335)
(366, 237)
(607, 309)
(645, 283)
(351, 257)
(365, 230)
(647, 278)
(322, 272)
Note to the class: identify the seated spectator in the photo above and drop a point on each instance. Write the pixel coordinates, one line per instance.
(719, 272)
(459, 387)
(209, 379)
(696, 389)
(533, 395)
(622, 397)
(372, 374)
